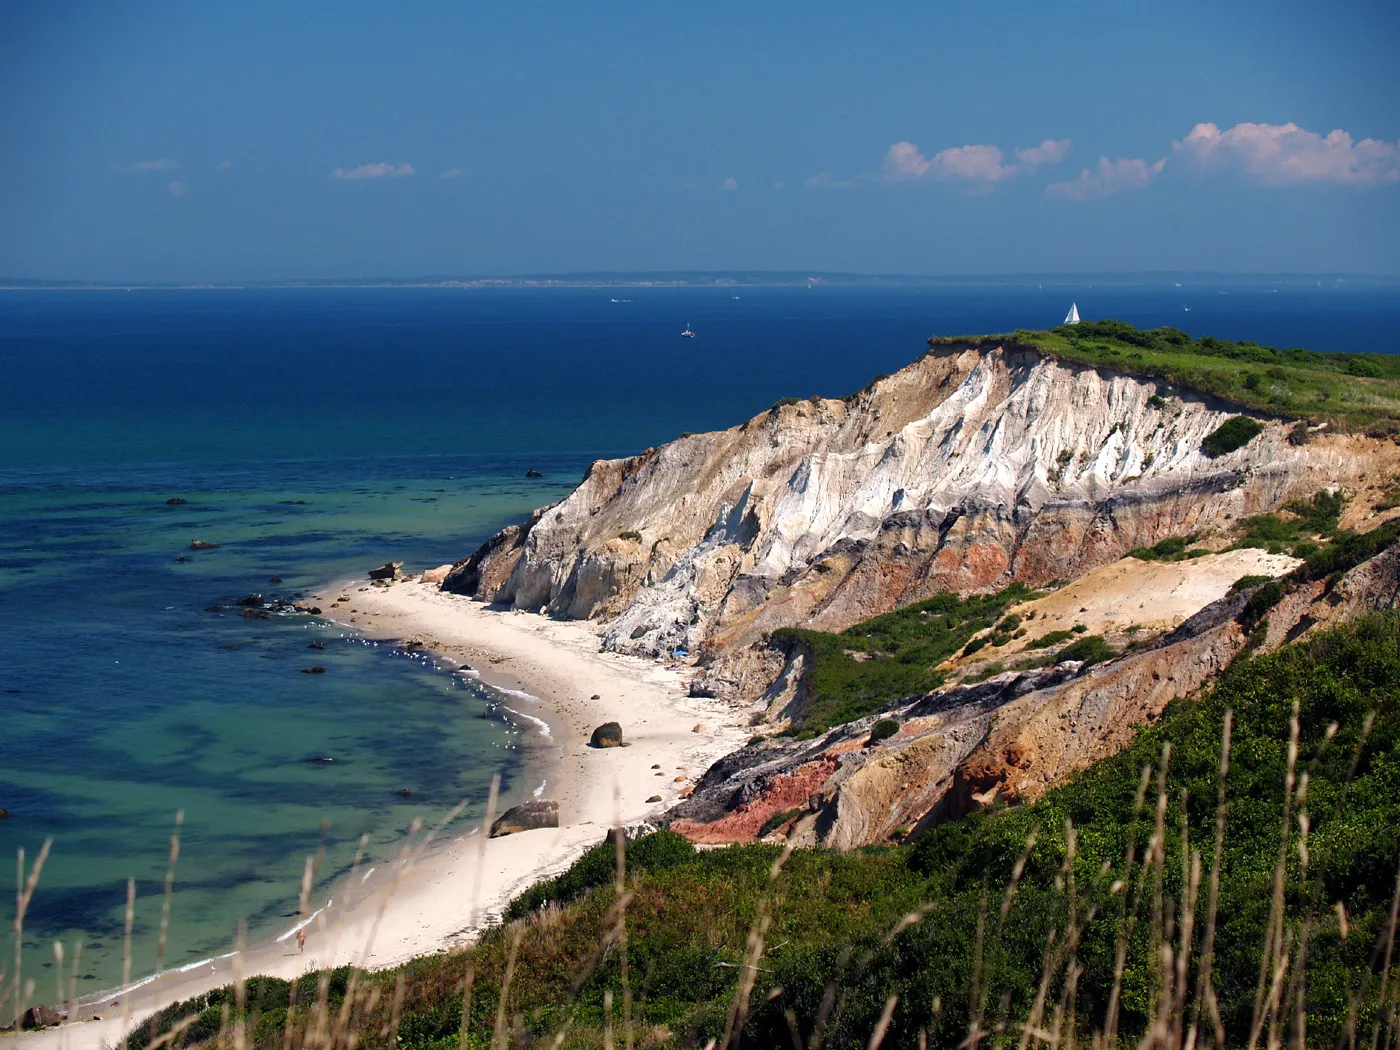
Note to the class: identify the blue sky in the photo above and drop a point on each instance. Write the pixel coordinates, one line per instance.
(205, 141)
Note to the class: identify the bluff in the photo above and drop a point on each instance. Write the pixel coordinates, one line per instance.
(981, 463)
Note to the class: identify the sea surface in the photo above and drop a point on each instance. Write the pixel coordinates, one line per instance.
(314, 434)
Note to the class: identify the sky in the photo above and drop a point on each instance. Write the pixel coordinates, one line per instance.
(189, 142)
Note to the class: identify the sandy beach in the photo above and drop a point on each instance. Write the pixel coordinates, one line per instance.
(439, 894)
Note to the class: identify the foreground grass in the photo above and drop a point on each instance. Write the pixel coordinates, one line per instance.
(970, 929)
(1354, 391)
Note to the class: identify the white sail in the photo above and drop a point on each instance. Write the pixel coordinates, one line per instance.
(1073, 316)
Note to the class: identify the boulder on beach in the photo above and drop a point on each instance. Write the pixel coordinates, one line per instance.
(609, 734)
(436, 575)
(537, 813)
(390, 570)
(700, 727)
(41, 1016)
(200, 545)
(654, 798)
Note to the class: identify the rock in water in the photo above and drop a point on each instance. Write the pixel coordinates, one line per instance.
(176, 501)
(436, 575)
(200, 545)
(390, 570)
(537, 813)
(253, 601)
(532, 473)
(4, 813)
(313, 670)
(609, 734)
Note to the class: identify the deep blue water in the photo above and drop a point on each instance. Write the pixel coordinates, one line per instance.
(404, 420)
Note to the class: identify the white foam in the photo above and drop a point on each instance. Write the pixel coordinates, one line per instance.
(303, 924)
(518, 693)
(539, 723)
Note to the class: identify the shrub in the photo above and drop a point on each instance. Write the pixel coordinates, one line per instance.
(777, 820)
(883, 730)
(1244, 583)
(1234, 433)
(1091, 649)
(1047, 640)
(635, 537)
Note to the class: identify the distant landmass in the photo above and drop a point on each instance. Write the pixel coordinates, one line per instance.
(734, 278)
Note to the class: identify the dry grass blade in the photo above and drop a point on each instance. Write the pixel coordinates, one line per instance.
(883, 1024)
(24, 893)
(169, 891)
(500, 1036)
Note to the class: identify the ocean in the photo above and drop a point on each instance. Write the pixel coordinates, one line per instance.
(315, 433)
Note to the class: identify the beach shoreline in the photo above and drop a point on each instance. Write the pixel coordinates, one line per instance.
(440, 893)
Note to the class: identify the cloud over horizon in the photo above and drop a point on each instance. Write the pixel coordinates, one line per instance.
(1280, 154)
(980, 163)
(381, 170)
(1110, 177)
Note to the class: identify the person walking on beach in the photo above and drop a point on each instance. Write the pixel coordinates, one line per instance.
(301, 940)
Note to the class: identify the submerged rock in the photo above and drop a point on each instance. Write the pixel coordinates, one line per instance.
(313, 670)
(176, 501)
(537, 813)
(200, 545)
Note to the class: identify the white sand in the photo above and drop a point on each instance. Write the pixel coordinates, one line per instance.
(435, 901)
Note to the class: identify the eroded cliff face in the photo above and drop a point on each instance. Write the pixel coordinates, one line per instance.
(975, 466)
(1009, 739)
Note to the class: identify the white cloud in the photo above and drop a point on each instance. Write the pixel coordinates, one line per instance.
(176, 188)
(452, 173)
(374, 171)
(982, 164)
(1285, 153)
(1051, 151)
(1110, 177)
(729, 184)
(155, 164)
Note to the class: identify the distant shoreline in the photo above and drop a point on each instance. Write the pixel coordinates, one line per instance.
(720, 279)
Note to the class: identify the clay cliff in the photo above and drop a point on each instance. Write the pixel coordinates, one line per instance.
(980, 463)
(1013, 737)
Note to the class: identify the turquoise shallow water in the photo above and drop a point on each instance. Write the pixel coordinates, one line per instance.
(125, 700)
(404, 420)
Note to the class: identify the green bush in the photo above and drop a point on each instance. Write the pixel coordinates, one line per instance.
(900, 653)
(1091, 649)
(1047, 640)
(883, 730)
(1244, 583)
(1234, 433)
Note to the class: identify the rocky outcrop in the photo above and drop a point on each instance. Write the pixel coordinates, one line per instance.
(1013, 737)
(977, 465)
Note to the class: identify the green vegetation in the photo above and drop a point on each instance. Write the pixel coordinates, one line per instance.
(1047, 640)
(1294, 533)
(635, 537)
(858, 671)
(1354, 391)
(1244, 583)
(883, 730)
(1235, 433)
(1173, 548)
(1091, 649)
(955, 928)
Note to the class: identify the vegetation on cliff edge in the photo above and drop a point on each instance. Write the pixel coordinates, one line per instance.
(1356, 391)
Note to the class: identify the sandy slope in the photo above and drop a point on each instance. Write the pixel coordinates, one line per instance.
(434, 899)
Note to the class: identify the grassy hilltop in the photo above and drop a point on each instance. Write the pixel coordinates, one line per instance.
(1352, 391)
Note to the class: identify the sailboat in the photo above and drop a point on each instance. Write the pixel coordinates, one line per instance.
(687, 334)
(1073, 316)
